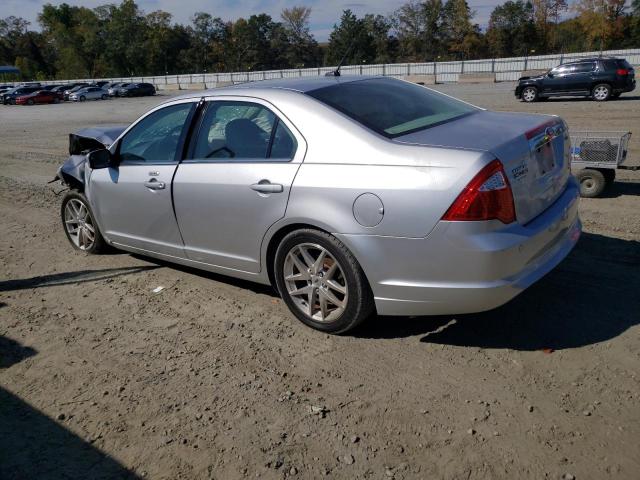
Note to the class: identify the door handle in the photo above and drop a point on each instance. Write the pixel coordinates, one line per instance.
(265, 186)
(154, 184)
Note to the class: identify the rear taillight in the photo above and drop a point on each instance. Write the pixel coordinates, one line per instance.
(487, 197)
(622, 71)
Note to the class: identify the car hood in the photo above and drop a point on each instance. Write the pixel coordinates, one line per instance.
(94, 137)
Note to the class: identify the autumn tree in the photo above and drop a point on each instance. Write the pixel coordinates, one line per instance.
(512, 30)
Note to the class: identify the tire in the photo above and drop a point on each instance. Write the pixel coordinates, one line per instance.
(56, 100)
(82, 98)
(592, 182)
(343, 289)
(601, 92)
(30, 102)
(105, 96)
(529, 94)
(76, 207)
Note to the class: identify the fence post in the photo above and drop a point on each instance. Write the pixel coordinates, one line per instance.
(408, 69)
(526, 62)
(384, 70)
(462, 67)
(493, 65)
(435, 72)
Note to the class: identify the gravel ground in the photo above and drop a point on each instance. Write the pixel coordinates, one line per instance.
(213, 378)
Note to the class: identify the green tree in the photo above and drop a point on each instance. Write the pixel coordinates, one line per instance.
(462, 37)
(351, 40)
(419, 27)
(512, 30)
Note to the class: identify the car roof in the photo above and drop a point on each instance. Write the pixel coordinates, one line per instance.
(298, 84)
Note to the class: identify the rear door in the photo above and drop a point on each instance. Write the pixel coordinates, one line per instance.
(236, 180)
(133, 202)
(580, 77)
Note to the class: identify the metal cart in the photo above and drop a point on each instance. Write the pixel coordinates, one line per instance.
(595, 157)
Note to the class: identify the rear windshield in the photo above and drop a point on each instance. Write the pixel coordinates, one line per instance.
(392, 107)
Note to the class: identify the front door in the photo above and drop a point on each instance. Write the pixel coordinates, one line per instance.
(235, 182)
(133, 202)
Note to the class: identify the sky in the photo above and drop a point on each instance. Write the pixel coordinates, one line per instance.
(324, 14)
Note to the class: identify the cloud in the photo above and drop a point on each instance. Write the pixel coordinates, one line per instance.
(325, 13)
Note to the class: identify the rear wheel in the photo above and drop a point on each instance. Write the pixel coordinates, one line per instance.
(82, 98)
(30, 102)
(601, 92)
(104, 96)
(592, 182)
(79, 224)
(321, 282)
(530, 94)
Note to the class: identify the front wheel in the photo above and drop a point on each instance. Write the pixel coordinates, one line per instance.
(601, 93)
(83, 98)
(530, 94)
(104, 96)
(592, 182)
(30, 102)
(321, 281)
(79, 223)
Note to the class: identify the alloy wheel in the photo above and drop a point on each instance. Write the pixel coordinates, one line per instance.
(529, 94)
(79, 224)
(316, 282)
(601, 92)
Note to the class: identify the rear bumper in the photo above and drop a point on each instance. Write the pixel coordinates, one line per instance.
(466, 267)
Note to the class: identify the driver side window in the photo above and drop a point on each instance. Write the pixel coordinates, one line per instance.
(155, 138)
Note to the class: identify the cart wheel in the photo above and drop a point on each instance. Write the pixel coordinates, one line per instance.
(592, 182)
(609, 176)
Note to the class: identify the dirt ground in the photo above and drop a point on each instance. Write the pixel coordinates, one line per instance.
(213, 378)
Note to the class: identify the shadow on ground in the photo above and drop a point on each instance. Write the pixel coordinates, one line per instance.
(33, 446)
(619, 189)
(68, 278)
(591, 297)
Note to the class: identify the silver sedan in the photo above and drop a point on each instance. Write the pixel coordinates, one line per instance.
(89, 93)
(350, 195)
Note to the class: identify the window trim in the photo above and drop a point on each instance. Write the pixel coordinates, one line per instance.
(301, 144)
(179, 154)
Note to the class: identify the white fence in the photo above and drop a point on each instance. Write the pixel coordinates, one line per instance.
(504, 69)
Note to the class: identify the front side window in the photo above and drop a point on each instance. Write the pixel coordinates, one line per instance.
(238, 131)
(391, 107)
(156, 137)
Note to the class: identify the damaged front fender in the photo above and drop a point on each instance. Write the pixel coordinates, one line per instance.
(72, 173)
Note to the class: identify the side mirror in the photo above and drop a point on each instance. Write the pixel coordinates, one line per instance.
(100, 159)
(550, 75)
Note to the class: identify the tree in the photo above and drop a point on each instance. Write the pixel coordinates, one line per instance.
(302, 48)
(463, 37)
(351, 40)
(419, 27)
(512, 30)
(601, 21)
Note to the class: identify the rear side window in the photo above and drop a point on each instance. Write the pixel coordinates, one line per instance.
(583, 67)
(241, 131)
(392, 107)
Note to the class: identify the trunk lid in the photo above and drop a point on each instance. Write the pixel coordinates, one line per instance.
(534, 150)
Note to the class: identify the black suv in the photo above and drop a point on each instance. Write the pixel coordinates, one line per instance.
(600, 78)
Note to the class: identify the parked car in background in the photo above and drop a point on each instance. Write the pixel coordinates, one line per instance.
(73, 89)
(599, 78)
(39, 96)
(9, 97)
(351, 195)
(89, 93)
(136, 90)
(113, 90)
